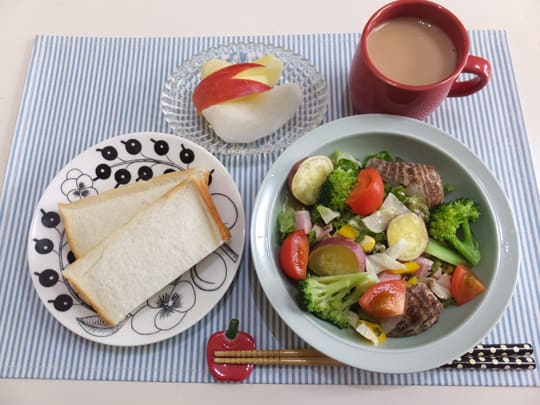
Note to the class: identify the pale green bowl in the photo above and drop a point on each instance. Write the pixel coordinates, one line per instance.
(460, 327)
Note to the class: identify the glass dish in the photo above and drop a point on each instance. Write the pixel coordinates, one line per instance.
(183, 119)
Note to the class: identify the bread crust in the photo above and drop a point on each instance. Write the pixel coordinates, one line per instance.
(139, 186)
(212, 209)
(199, 179)
(86, 298)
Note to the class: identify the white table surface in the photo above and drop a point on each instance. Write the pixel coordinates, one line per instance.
(21, 20)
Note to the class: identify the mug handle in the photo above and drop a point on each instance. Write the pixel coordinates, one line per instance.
(477, 66)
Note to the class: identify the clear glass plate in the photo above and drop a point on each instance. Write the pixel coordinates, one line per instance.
(183, 119)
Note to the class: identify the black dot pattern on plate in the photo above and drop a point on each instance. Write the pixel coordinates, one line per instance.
(120, 163)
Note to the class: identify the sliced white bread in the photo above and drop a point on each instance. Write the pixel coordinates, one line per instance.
(89, 220)
(155, 247)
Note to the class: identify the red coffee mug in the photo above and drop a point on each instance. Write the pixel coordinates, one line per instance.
(373, 92)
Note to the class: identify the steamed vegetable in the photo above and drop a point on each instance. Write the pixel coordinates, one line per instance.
(339, 184)
(307, 176)
(410, 228)
(450, 223)
(442, 252)
(330, 297)
(336, 255)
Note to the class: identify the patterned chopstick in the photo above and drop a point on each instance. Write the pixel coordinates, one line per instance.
(481, 357)
(509, 349)
(503, 362)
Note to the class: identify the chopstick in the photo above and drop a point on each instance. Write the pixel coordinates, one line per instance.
(291, 357)
(487, 356)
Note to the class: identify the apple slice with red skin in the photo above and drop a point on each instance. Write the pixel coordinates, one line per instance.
(221, 86)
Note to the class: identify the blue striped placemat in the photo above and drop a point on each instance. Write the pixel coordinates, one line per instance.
(80, 91)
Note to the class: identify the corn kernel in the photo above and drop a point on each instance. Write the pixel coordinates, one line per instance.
(412, 281)
(368, 243)
(347, 231)
(410, 267)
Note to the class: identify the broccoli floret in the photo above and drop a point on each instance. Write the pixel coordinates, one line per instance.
(339, 184)
(450, 223)
(330, 297)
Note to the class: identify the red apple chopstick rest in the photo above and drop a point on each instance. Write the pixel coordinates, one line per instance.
(231, 339)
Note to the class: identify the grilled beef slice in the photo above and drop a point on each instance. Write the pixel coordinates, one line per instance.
(421, 178)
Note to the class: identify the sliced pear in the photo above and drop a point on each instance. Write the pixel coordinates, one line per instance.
(250, 118)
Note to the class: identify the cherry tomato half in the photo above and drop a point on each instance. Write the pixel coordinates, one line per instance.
(385, 299)
(294, 255)
(465, 285)
(368, 194)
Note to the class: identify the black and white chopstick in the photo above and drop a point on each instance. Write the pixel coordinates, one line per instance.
(496, 357)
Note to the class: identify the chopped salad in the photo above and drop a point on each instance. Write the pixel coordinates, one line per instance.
(375, 245)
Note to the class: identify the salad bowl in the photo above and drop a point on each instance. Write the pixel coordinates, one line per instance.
(459, 327)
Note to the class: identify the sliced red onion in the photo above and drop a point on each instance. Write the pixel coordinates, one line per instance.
(440, 286)
(303, 221)
(425, 267)
(322, 233)
(437, 273)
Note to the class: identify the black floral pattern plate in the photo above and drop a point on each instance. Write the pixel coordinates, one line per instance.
(114, 163)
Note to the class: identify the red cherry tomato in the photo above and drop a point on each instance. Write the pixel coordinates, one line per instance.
(465, 285)
(294, 254)
(368, 194)
(385, 299)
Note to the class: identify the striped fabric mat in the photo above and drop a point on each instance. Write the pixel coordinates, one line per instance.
(80, 91)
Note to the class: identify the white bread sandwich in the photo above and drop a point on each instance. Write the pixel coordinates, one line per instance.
(155, 247)
(89, 220)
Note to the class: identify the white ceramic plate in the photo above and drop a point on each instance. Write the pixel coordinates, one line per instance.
(460, 327)
(183, 119)
(112, 163)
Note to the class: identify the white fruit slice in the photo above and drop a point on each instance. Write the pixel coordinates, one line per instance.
(247, 119)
